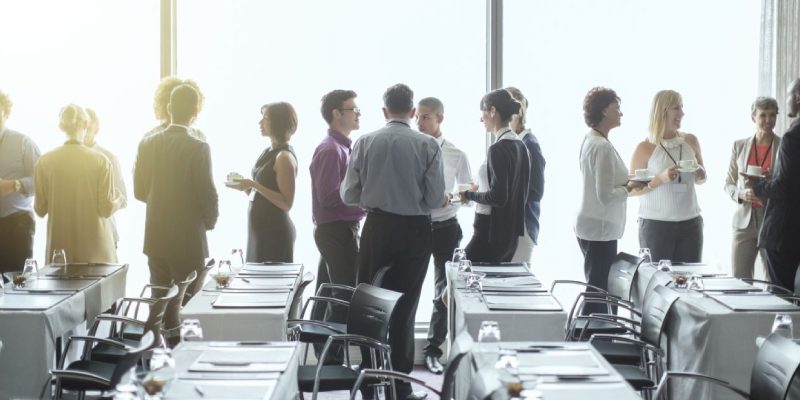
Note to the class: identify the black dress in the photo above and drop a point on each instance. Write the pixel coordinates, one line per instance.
(271, 233)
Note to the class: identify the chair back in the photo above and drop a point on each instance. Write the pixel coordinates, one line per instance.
(621, 275)
(155, 319)
(659, 278)
(131, 358)
(654, 313)
(460, 348)
(775, 368)
(370, 311)
(297, 297)
(377, 278)
(172, 314)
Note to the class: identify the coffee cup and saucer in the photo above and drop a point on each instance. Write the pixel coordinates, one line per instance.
(687, 165)
(233, 178)
(753, 171)
(641, 175)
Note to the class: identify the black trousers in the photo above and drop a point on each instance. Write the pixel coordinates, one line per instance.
(680, 241)
(164, 272)
(782, 266)
(16, 240)
(597, 259)
(480, 249)
(446, 237)
(404, 244)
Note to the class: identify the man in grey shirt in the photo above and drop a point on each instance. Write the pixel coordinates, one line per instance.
(396, 174)
(18, 156)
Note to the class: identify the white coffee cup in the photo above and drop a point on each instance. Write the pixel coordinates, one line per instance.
(234, 176)
(463, 187)
(754, 170)
(688, 164)
(641, 173)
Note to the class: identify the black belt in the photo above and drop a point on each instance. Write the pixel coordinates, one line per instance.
(444, 224)
(17, 214)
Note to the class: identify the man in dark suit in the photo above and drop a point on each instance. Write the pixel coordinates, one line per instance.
(172, 175)
(780, 233)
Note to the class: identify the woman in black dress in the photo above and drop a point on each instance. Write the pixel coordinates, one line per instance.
(271, 234)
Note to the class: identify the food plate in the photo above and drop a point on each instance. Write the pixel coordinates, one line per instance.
(646, 179)
(745, 174)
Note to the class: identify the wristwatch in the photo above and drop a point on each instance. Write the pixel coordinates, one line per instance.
(17, 185)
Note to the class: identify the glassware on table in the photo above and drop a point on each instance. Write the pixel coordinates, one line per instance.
(507, 358)
(59, 258)
(680, 281)
(31, 268)
(459, 254)
(644, 254)
(223, 275)
(151, 385)
(489, 332)
(240, 253)
(783, 326)
(665, 265)
(473, 281)
(191, 331)
(696, 283)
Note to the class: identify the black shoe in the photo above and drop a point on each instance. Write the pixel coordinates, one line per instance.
(433, 365)
(416, 396)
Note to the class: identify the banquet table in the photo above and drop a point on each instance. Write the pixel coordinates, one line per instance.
(551, 370)
(705, 336)
(245, 322)
(234, 370)
(31, 321)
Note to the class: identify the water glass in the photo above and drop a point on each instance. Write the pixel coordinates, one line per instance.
(489, 332)
(238, 252)
(507, 358)
(665, 265)
(696, 283)
(224, 274)
(191, 331)
(459, 254)
(473, 281)
(783, 326)
(59, 258)
(161, 358)
(152, 384)
(644, 254)
(31, 268)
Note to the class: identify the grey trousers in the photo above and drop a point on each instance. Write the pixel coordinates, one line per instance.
(745, 247)
(680, 241)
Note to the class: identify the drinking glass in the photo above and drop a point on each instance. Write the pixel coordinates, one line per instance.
(31, 268)
(59, 258)
(644, 254)
(783, 325)
(473, 281)
(489, 332)
(223, 275)
(665, 265)
(507, 358)
(459, 254)
(151, 385)
(191, 331)
(696, 283)
(241, 257)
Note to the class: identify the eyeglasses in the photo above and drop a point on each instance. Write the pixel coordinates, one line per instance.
(354, 109)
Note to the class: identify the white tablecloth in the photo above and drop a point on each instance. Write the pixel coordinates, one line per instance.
(29, 337)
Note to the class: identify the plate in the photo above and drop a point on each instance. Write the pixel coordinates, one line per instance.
(642, 180)
(688, 169)
(745, 174)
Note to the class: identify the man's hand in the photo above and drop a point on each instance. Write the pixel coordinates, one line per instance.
(749, 196)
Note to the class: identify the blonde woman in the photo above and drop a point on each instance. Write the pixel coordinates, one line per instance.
(75, 189)
(161, 100)
(759, 151)
(670, 224)
(116, 171)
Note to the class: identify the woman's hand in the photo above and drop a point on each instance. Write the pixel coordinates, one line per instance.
(634, 186)
(700, 174)
(241, 184)
(667, 175)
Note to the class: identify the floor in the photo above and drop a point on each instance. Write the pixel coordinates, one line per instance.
(419, 372)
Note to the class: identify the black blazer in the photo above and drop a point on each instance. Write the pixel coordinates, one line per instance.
(172, 175)
(781, 228)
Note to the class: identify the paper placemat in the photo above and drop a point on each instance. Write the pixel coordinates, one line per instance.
(521, 303)
(252, 355)
(220, 389)
(719, 284)
(251, 300)
(31, 301)
(85, 270)
(753, 302)
(249, 283)
(272, 268)
(45, 284)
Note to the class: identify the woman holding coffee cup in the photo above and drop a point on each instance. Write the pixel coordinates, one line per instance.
(601, 219)
(670, 224)
(752, 156)
(271, 232)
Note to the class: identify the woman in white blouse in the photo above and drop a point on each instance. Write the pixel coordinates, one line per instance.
(601, 219)
(670, 224)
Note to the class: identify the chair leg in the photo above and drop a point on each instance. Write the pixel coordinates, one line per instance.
(82, 395)
(58, 389)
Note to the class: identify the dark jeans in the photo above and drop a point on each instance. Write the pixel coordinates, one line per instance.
(680, 241)
(597, 259)
(782, 266)
(16, 240)
(480, 249)
(404, 244)
(164, 272)
(446, 237)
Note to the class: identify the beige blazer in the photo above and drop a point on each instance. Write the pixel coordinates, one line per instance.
(75, 189)
(734, 183)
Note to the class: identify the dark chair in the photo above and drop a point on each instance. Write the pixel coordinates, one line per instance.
(155, 323)
(622, 274)
(88, 374)
(368, 319)
(460, 348)
(297, 296)
(774, 376)
(172, 323)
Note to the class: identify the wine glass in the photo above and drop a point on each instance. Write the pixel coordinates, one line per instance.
(665, 265)
(489, 332)
(31, 268)
(473, 281)
(223, 275)
(507, 358)
(696, 283)
(153, 384)
(459, 254)
(238, 252)
(783, 325)
(59, 258)
(644, 254)
(191, 331)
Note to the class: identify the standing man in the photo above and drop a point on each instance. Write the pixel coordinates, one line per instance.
(18, 156)
(336, 232)
(396, 175)
(780, 232)
(446, 232)
(172, 175)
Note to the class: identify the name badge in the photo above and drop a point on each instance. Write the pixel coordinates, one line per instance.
(252, 195)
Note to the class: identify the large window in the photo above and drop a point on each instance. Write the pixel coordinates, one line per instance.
(94, 53)
(556, 51)
(247, 53)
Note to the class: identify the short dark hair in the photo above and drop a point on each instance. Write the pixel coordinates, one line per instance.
(502, 101)
(434, 104)
(595, 102)
(184, 100)
(282, 119)
(333, 101)
(398, 99)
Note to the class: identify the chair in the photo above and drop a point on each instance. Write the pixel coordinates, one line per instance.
(460, 348)
(172, 323)
(621, 275)
(581, 327)
(297, 297)
(88, 374)
(368, 317)
(774, 374)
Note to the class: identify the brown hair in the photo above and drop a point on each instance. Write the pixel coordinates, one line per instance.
(282, 119)
(595, 102)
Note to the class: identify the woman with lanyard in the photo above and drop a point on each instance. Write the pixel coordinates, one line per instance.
(670, 224)
(601, 218)
(503, 183)
(758, 151)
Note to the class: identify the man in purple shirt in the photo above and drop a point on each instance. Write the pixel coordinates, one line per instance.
(337, 224)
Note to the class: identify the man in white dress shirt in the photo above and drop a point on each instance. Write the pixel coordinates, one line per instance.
(446, 232)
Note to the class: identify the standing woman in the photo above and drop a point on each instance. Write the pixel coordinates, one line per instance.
(670, 224)
(601, 219)
(75, 188)
(271, 232)
(503, 183)
(758, 150)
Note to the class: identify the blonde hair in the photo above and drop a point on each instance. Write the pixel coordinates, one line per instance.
(71, 119)
(663, 101)
(92, 116)
(518, 96)
(5, 103)
(163, 92)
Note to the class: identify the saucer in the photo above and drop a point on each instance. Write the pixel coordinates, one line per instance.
(641, 180)
(688, 169)
(231, 183)
(745, 174)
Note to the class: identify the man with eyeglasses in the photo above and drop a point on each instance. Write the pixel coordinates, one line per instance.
(396, 174)
(446, 232)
